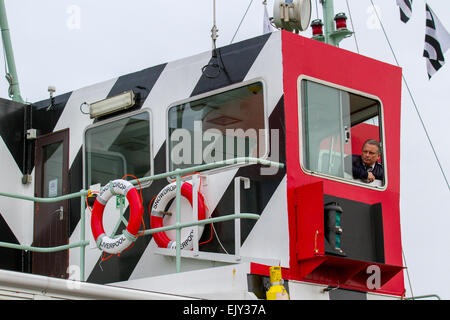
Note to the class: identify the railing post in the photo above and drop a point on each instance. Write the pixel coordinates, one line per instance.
(82, 236)
(178, 220)
(237, 211)
(195, 188)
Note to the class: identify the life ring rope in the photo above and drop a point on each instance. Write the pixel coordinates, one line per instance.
(142, 202)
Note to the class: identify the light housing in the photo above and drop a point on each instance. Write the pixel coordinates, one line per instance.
(117, 103)
(341, 21)
(317, 27)
(292, 15)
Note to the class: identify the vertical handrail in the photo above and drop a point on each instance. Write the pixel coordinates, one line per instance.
(195, 187)
(82, 237)
(237, 212)
(178, 220)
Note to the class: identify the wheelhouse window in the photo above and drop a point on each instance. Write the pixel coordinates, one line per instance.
(118, 147)
(335, 126)
(217, 127)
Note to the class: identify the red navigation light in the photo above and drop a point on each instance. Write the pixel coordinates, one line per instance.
(317, 27)
(341, 21)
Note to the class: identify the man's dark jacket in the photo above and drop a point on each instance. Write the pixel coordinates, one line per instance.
(359, 169)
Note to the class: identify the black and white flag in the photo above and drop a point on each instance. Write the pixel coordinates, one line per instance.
(437, 42)
(405, 9)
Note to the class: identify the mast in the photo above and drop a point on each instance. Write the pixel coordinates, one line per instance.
(11, 76)
(328, 14)
(335, 25)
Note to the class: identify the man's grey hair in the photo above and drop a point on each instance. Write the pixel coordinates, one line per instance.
(373, 142)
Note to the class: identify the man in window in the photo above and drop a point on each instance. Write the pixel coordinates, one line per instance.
(365, 166)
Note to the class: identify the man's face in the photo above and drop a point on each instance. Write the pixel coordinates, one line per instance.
(369, 154)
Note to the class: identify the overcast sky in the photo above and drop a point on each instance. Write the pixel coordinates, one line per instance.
(72, 44)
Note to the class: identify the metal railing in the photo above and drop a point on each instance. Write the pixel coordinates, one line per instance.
(435, 296)
(82, 243)
(178, 173)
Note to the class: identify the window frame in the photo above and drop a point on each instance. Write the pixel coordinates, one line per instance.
(212, 93)
(113, 119)
(380, 125)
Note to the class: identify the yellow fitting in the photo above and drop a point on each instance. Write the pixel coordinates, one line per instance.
(277, 290)
(275, 274)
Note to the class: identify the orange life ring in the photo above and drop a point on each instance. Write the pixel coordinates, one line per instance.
(117, 244)
(159, 206)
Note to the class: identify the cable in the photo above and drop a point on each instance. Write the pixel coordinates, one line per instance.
(218, 240)
(412, 98)
(407, 273)
(353, 28)
(240, 23)
(81, 107)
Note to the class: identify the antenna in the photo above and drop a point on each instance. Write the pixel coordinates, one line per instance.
(214, 30)
(213, 64)
(51, 90)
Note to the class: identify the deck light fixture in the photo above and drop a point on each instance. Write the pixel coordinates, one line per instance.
(110, 105)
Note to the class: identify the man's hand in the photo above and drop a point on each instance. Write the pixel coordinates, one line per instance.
(370, 177)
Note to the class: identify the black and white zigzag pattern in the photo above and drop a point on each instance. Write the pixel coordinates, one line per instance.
(437, 41)
(405, 9)
(251, 59)
(241, 62)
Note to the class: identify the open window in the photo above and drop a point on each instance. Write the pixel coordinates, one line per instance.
(117, 147)
(335, 124)
(218, 126)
